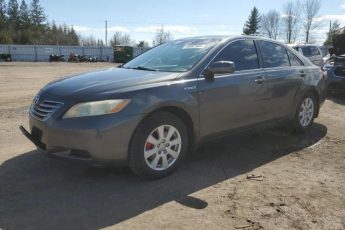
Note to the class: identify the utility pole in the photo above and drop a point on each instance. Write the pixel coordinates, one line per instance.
(106, 33)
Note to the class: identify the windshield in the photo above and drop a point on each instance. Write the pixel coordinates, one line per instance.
(174, 56)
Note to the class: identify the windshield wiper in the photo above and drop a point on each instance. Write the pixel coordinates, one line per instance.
(143, 68)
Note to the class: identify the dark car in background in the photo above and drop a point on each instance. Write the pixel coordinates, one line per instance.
(5, 57)
(153, 110)
(335, 72)
(56, 58)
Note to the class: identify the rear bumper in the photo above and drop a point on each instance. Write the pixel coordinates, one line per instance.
(102, 139)
(337, 85)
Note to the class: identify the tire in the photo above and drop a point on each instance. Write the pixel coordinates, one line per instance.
(161, 156)
(305, 114)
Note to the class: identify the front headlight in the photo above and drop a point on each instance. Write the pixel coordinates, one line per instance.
(95, 108)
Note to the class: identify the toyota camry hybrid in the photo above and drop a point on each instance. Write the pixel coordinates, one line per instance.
(152, 111)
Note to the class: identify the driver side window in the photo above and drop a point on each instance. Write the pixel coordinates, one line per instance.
(242, 53)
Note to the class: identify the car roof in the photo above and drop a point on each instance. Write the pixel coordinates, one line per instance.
(226, 38)
(301, 45)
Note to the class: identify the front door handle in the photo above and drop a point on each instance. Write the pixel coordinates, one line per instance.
(302, 73)
(259, 80)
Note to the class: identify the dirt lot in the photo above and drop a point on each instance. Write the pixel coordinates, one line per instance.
(302, 188)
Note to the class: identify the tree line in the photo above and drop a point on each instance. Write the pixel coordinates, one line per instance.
(27, 24)
(296, 15)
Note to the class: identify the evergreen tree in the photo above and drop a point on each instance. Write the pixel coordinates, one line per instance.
(339, 43)
(13, 20)
(13, 13)
(73, 37)
(24, 15)
(5, 35)
(3, 17)
(60, 36)
(37, 13)
(65, 30)
(37, 17)
(54, 34)
(253, 23)
(24, 24)
(54, 27)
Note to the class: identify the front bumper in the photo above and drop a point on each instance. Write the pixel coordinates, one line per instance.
(99, 139)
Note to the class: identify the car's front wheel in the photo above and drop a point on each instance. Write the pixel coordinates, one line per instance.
(158, 145)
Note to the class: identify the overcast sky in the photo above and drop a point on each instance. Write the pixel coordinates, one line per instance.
(183, 18)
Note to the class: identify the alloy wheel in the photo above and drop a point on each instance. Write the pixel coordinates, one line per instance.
(306, 112)
(162, 147)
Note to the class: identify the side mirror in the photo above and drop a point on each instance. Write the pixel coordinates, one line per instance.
(219, 67)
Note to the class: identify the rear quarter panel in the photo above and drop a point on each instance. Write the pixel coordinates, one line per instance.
(314, 82)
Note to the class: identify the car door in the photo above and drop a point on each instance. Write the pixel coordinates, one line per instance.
(230, 101)
(284, 74)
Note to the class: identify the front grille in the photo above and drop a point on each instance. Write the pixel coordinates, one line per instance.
(44, 109)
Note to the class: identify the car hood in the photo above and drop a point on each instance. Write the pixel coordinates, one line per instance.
(105, 81)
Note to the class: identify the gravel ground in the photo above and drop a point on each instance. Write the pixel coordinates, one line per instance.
(300, 184)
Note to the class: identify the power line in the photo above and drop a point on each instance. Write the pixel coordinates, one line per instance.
(106, 33)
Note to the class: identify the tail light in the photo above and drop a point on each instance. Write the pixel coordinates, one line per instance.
(325, 74)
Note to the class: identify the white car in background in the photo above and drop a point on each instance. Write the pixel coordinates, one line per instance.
(312, 52)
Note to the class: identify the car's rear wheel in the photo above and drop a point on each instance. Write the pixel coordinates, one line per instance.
(305, 114)
(158, 145)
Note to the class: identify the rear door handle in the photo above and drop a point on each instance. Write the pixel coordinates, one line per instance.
(259, 80)
(302, 73)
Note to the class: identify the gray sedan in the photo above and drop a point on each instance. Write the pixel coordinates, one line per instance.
(160, 106)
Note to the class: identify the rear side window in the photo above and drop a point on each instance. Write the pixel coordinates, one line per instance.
(274, 55)
(314, 51)
(242, 53)
(310, 51)
(294, 61)
(306, 51)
